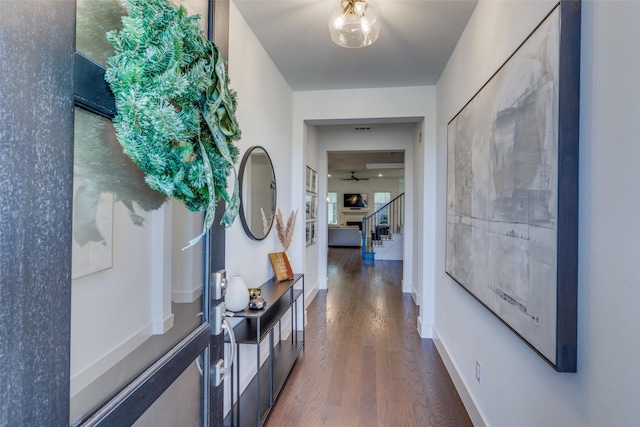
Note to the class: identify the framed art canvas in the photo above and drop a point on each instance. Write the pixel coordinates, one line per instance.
(512, 185)
(311, 202)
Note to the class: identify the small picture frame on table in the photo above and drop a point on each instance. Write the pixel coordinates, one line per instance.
(281, 266)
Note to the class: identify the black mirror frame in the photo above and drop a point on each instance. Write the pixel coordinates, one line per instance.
(243, 165)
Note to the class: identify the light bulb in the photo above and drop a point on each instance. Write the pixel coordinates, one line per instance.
(360, 7)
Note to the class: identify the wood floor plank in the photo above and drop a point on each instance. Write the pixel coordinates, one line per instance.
(364, 363)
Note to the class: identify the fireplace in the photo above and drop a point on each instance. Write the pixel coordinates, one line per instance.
(358, 223)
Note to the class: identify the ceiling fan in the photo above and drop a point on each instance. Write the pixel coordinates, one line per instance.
(354, 178)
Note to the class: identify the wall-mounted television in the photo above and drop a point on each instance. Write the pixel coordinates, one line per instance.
(355, 200)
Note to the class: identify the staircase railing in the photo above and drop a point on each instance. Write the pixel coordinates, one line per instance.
(381, 224)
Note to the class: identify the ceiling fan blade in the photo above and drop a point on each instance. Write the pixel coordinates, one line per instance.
(354, 178)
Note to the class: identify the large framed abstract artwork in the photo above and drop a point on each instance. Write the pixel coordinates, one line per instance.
(512, 190)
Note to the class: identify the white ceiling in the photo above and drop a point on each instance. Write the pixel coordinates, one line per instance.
(416, 40)
(341, 164)
(345, 164)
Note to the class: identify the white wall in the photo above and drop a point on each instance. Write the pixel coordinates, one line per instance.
(417, 212)
(312, 252)
(264, 112)
(186, 274)
(416, 104)
(518, 387)
(117, 301)
(115, 310)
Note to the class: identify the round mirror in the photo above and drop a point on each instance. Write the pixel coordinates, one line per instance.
(257, 193)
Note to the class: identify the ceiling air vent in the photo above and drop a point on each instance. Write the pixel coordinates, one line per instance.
(362, 128)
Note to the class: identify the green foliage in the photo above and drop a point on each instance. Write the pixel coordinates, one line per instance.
(176, 114)
(101, 166)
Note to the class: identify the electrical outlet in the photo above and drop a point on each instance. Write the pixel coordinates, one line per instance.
(478, 371)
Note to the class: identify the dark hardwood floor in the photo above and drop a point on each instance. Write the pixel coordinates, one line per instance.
(364, 363)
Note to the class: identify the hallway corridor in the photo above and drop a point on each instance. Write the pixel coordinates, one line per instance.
(364, 363)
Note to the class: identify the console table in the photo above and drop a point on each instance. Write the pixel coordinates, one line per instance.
(254, 404)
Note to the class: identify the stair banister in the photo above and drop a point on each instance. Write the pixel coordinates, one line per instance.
(394, 221)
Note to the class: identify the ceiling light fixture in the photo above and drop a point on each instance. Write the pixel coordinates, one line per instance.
(354, 23)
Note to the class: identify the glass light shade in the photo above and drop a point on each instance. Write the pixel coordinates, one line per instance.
(354, 23)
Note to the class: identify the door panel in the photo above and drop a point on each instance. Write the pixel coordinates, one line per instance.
(39, 88)
(36, 40)
(216, 246)
(140, 305)
(135, 293)
(93, 19)
(186, 394)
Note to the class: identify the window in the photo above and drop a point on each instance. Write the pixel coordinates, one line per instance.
(332, 207)
(379, 200)
(141, 336)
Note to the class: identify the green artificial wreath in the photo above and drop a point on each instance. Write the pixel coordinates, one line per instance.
(176, 113)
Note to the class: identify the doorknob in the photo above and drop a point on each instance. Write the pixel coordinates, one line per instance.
(222, 368)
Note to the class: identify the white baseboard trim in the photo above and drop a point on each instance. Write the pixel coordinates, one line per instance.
(300, 318)
(407, 287)
(467, 400)
(285, 326)
(160, 327)
(186, 296)
(249, 361)
(89, 374)
(416, 295)
(425, 331)
(248, 356)
(310, 296)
